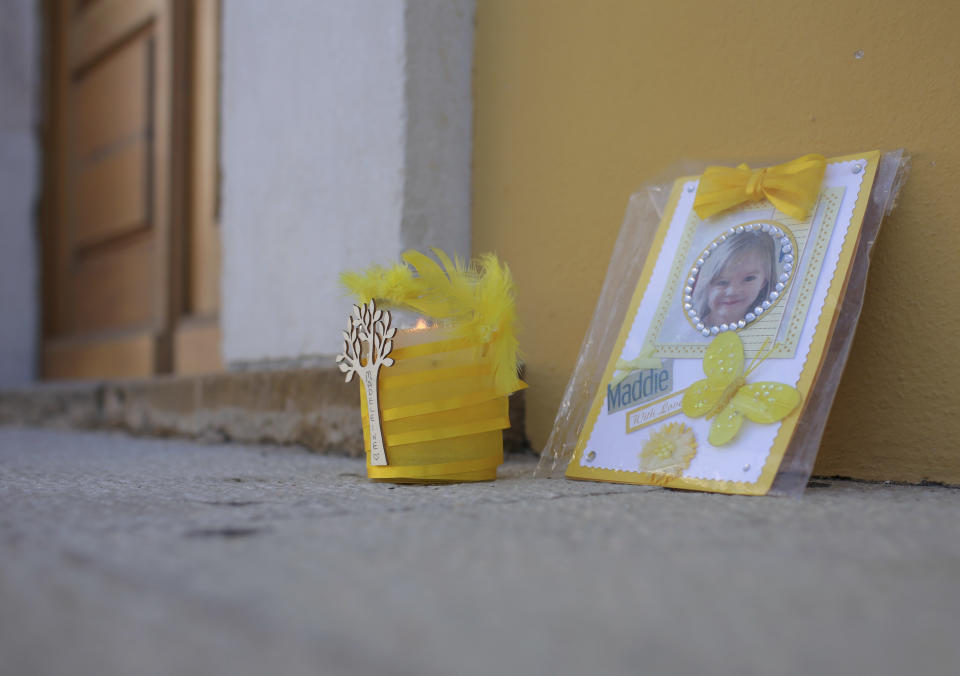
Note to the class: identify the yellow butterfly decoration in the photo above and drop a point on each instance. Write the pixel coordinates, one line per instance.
(724, 395)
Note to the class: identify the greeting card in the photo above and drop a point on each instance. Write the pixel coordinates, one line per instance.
(726, 332)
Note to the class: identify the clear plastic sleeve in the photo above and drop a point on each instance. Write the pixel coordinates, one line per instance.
(643, 216)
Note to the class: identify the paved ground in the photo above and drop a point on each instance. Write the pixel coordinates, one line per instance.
(132, 556)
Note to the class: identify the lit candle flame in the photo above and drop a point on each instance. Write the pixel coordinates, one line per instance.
(421, 324)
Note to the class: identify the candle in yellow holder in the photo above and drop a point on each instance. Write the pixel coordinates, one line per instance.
(439, 399)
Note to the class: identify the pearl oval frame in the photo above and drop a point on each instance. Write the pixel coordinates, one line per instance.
(787, 249)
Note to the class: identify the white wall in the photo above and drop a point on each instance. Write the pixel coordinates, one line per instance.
(19, 180)
(345, 140)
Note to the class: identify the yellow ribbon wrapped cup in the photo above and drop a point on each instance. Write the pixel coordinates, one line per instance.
(435, 398)
(441, 415)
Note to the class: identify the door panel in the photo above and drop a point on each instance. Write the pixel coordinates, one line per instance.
(122, 357)
(197, 337)
(122, 187)
(111, 195)
(111, 222)
(113, 285)
(99, 25)
(112, 96)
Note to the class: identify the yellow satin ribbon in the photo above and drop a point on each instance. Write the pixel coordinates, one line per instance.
(446, 424)
(440, 440)
(439, 346)
(449, 432)
(482, 469)
(791, 187)
(441, 415)
(468, 458)
(437, 405)
(430, 396)
(391, 381)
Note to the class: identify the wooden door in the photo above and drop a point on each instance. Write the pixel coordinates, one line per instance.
(196, 340)
(120, 219)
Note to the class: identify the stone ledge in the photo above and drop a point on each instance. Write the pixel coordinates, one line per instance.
(308, 407)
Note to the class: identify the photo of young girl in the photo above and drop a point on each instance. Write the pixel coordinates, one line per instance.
(737, 277)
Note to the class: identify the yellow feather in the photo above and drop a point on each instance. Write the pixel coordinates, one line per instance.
(393, 285)
(495, 317)
(476, 299)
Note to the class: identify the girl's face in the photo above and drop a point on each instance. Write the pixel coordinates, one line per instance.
(732, 292)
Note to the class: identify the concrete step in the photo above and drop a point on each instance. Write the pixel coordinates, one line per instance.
(311, 407)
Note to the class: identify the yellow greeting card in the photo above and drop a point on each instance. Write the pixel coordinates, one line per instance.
(726, 333)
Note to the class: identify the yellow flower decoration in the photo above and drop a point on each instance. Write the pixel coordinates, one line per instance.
(669, 450)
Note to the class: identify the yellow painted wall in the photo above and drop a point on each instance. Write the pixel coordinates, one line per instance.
(577, 103)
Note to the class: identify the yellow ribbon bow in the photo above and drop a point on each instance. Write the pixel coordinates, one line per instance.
(792, 187)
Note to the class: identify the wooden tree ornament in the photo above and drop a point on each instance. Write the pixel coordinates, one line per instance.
(371, 327)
